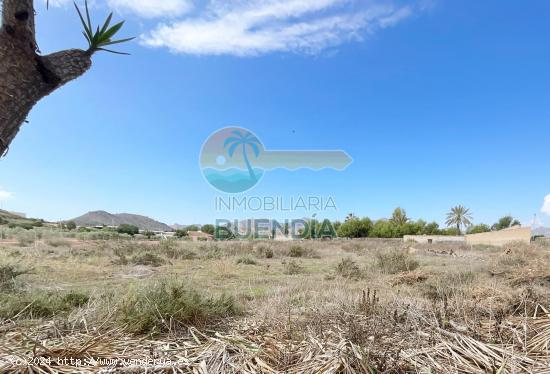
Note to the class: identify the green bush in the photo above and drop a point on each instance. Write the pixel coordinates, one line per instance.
(208, 229)
(149, 234)
(355, 228)
(451, 231)
(447, 285)
(25, 238)
(101, 235)
(212, 252)
(297, 251)
(348, 268)
(264, 251)
(58, 242)
(148, 258)
(181, 233)
(353, 247)
(246, 260)
(8, 273)
(169, 304)
(395, 261)
(505, 222)
(128, 229)
(172, 250)
(478, 229)
(384, 229)
(39, 304)
(292, 267)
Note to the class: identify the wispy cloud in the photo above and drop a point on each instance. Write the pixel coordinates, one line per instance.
(546, 206)
(258, 27)
(153, 8)
(255, 27)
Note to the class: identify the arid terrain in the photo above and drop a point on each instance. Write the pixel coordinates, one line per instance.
(69, 303)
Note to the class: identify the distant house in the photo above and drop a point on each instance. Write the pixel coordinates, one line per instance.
(496, 238)
(501, 237)
(200, 236)
(429, 239)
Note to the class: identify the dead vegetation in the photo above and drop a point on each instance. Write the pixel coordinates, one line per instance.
(268, 307)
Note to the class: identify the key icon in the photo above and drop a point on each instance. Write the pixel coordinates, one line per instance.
(234, 160)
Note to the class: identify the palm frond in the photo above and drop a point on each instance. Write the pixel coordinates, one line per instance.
(101, 37)
(232, 148)
(230, 140)
(255, 148)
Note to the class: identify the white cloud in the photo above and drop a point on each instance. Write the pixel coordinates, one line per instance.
(5, 195)
(546, 206)
(153, 8)
(255, 27)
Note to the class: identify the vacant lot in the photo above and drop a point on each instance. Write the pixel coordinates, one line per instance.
(270, 307)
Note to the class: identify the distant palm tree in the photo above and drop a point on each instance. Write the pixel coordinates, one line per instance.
(244, 140)
(350, 217)
(459, 216)
(399, 216)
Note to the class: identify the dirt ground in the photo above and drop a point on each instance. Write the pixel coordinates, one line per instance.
(343, 306)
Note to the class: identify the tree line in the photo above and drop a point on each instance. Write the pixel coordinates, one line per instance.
(458, 221)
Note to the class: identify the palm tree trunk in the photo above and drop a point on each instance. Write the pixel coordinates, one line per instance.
(458, 229)
(25, 76)
(247, 162)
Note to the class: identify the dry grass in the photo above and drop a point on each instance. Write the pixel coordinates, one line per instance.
(269, 307)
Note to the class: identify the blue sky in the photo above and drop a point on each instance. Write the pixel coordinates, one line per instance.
(438, 102)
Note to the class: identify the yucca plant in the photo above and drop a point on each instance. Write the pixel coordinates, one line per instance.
(101, 38)
(33, 75)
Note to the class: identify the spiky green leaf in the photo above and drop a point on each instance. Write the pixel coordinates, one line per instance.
(107, 23)
(116, 42)
(103, 35)
(111, 51)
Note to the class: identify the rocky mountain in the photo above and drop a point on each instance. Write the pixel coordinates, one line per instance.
(102, 218)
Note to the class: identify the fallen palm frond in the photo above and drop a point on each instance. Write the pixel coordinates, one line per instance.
(250, 349)
(198, 353)
(370, 340)
(527, 353)
(409, 278)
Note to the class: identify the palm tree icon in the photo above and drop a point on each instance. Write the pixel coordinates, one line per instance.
(245, 140)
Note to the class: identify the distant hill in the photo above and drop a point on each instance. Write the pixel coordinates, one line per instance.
(541, 231)
(102, 218)
(14, 218)
(177, 226)
(8, 215)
